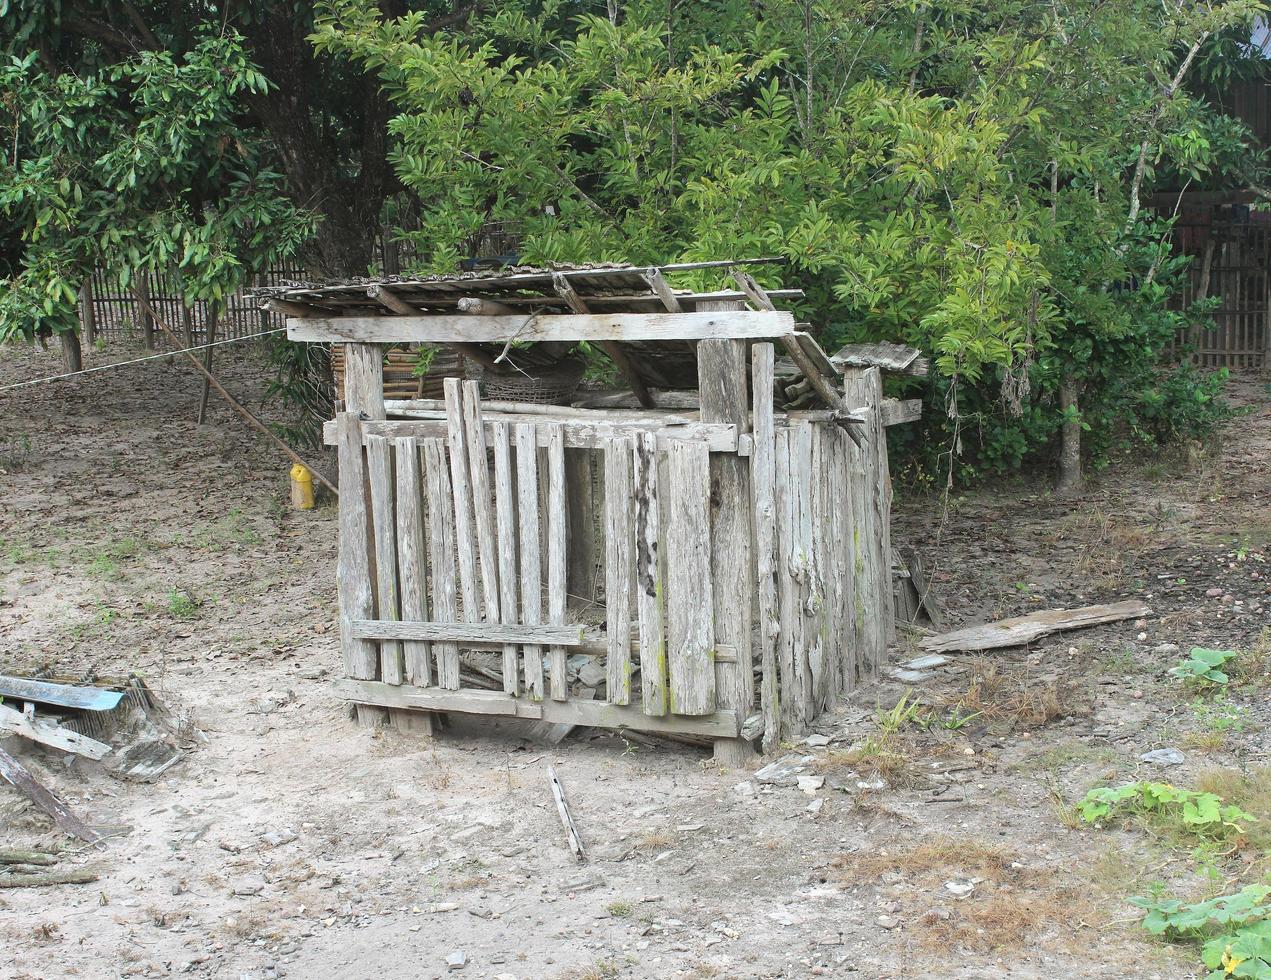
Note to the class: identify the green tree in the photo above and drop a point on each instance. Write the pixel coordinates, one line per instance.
(967, 175)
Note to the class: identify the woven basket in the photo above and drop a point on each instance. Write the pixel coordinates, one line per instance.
(554, 385)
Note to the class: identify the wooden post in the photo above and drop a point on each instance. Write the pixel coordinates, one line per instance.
(207, 361)
(763, 488)
(363, 393)
(88, 312)
(722, 370)
(142, 291)
(864, 387)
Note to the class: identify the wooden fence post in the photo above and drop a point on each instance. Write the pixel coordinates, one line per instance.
(87, 312)
(722, 372)
(142, 292)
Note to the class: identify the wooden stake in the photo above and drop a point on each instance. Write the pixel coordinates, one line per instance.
(562, 807)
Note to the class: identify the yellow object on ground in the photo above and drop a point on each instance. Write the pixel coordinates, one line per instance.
(301, 488)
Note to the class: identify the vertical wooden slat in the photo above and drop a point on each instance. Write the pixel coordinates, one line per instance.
(650, 595)
(505, 513)
(88, 312)
(353, 566)
(820, 654)
(379, 465)
(842, 529)
(722, 374)
(531, 569)
(479, 467)
(441, 558)
(410, 557)
(364, 396)
(762, 490)
(790, 618)
(619, 455)
(460, 485)
(801, 480)
(557, 540)
(690, 620)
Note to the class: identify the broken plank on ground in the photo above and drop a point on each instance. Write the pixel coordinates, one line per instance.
(17, 774)
(1024, 629)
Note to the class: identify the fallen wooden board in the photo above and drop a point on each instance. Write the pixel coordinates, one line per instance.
(1024, 629)
(46, 732)
(16, 773)
(64, 695)
(82, 877)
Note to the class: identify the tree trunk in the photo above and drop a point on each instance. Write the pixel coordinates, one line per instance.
(88, 312)
(1070, 439)
(72, 358)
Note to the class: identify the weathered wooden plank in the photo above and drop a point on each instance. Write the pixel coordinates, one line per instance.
(562, 807)
(813, 352)
(21, 779)
(816, 611)
(441, 558)
(1025, 629)
(619, 533)
(595, 714)
(557, 542)
(353, 566)
(577, 433)
(443, 329)
(801, 481)
(722, 371)
(379, 465)
(531, 550)
(885, 355)
(789, 615)
(47, 732)
(896, 412)
(411, 559)
(841, 531)
(479, 475)
(762, 484)
(477, 634)
(650, 596)
(505, 513)
(690, 620)
(461, 486)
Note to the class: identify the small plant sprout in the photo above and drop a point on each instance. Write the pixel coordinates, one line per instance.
(1203, 667)
(180, 605)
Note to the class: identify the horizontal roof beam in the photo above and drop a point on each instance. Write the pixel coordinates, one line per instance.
(441, 329)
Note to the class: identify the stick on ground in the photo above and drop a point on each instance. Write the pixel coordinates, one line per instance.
(558, 791)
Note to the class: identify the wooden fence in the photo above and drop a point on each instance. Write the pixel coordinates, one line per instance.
(113, 313)
(1230, 257)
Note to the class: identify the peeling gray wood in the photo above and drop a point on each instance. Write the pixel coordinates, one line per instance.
(531, 550)
(650, 583)
(505, 520)
(557, 545)
(619, 538)
(353, 566)
(411, 560)
(461, 486)
(443, 329)
(441, 558)
(379, 465)
(1021, 630)
(690, 619)
(762, 483)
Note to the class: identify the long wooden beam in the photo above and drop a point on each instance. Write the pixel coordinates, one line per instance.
(483, 634)
(739, 324)
(595, 714)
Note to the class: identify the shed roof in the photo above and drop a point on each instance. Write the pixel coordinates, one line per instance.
(608, 287)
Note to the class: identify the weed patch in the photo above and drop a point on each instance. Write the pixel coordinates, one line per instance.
(1167, 808)
(1233, 931)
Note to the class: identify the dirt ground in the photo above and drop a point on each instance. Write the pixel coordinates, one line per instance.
(290, 842)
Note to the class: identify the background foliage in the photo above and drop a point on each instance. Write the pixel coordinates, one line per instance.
(969, 176)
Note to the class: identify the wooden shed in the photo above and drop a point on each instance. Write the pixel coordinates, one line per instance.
(720, 568)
